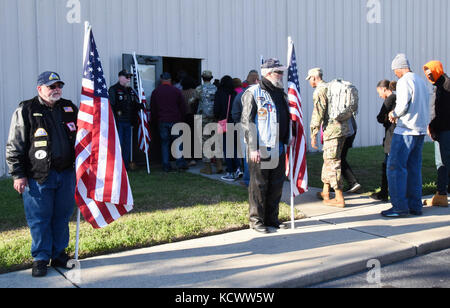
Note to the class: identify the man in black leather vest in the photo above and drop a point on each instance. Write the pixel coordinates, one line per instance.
(124, 103)
(40, 154)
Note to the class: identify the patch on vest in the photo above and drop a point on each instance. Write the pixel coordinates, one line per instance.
(40, 133)
(68, 109)
(261, 98)
(40, 144)
(262, 113)
(72, 127)
(40, 155)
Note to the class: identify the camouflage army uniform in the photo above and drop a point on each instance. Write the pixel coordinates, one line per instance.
(205, 95)
(334, 135)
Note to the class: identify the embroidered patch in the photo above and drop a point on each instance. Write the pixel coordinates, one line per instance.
(37, 115)
(262, 113)
(68, 109)
(53, 76)
(72, 127)
(40, 155)
(40, 144)
(41, 133)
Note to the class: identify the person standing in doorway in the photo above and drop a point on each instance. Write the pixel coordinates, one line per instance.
(168, 108)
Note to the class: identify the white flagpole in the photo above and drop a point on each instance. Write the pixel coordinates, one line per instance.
(87, 28)
(139, 85)
(291, 163)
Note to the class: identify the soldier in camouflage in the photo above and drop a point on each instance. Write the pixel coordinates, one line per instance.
(205, 95)
(334, 135)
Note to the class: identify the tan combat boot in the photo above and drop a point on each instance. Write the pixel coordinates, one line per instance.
(219, 166)
(207, 169)
(325, 194)
(338, 201)
(437, 200)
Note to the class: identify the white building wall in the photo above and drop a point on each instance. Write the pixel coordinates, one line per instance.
(230, 35)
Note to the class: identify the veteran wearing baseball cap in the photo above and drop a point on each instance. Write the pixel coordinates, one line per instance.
(266, 126)
(40, 154)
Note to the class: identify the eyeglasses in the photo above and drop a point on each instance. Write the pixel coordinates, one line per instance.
(56, 86)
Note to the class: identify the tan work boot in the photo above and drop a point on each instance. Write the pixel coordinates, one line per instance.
(338, 201)
(207, 169)
(219, 166)
(325, 195)
(437, 200)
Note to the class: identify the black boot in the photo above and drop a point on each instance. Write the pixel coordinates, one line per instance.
(383, 195)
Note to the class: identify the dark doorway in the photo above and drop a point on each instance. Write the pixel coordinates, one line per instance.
(153, 67)
(175, 66)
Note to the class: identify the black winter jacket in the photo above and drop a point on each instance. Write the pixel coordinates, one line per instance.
(440, 107)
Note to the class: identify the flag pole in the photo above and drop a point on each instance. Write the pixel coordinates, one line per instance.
(291, 165)
(141, 111)
(87, 28)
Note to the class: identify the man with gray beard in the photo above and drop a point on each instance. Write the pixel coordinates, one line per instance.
(266, 123)
(40, 154)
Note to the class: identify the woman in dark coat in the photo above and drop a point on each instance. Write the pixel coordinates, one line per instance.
(222, 110)
(386, 90)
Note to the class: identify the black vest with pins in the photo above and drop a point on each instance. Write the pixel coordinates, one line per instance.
(39, 130)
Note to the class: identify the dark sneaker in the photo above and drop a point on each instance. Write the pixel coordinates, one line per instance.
(61, 261)
(379, 197)
(239, 174)
(39, 269)
(415, 213)
(230, 177)
(392, 213)
(260, 228)
(355, 187)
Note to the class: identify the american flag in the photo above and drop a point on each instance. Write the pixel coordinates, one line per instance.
(144, 137)
(300, 171)
(103, 192)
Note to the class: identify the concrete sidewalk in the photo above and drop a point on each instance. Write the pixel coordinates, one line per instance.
(329, 244)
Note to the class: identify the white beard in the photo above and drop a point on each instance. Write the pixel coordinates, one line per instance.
(278, 84)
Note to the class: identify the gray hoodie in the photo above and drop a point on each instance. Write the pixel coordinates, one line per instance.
(412, 108)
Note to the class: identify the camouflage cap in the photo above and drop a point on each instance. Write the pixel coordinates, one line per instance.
(315, 72)
(207, 74)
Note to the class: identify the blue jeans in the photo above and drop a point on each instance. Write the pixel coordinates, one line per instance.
(231, 158)
(124, 131)
(442, 156)
(165, 131)
(404, 172)
(48, 209)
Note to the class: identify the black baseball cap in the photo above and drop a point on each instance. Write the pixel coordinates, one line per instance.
(125, 73)
(166, 76)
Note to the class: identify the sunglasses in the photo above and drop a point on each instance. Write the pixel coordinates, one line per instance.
(279, 72)
(56, 86)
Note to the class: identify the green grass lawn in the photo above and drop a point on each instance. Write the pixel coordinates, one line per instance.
(174, 207)
(168, 207)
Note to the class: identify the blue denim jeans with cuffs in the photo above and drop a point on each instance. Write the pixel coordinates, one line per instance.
(48, 209)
